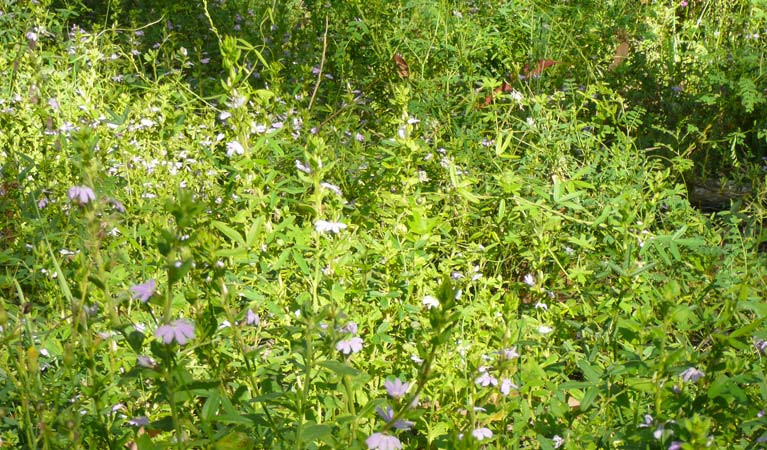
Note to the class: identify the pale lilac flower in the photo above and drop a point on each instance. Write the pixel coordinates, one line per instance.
(529, 280)
(683, 3)
(557, 441)
(349, 346)
(396, 388)
(302, 167)
(761, 345)
(81, 194)
(146, 361)
(430, 302)
(676, 445)
(692, 374)
(234, 147)
(543, 329)
(381, 441)
(648, 421)
(252, 318)
(323, 226)
(507, 386)
(510, 353)
(332, 187)
(43, 202)
(179, 330)
(486, 380)
(32, 36)
(350, 327)
(117, 205)
(139, 421)
(388, 414)
(482, 433)
(144, 291)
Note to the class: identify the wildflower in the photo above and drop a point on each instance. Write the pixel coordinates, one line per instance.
(350, 327)
(692, 374)
(529, 280)
(676, 445)
(234, 147)
(557, 440)
(388, 415)
(430, 302)
(648, 420)
(81, 194)
(139, 421)
(482, 433)
(323, 226)
(332, 187)
(543, 329)
(144, 291)
(349, 346)
(510, 353)
(761, 345)
(117, 205)
(542, 306)
(381, 441)
(42, 203)
(146, 361)
(683, 4)
(179, 330)
(252, 318)
(396, 388)
(486, 380)
(507, 386)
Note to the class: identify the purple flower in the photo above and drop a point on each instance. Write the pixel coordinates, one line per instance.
(381, 441)
(146, 361)
(81, 194)
(676, 445)
(396, 388)
(388, 415)
(482, 433)
(692, 374)
(144, 291)
(139, 421)
(486, 380)
(507, 386)
(349, 346)
(252, 318)
(179, 330)
(350, 327)
(117, 205)
(761, 345)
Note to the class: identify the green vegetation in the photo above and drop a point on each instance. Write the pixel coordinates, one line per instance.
(230, 224)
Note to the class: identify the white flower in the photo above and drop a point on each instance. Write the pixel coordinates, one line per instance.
(234, 147)
(323, 226)
(529, 280)
(333, 188)
(303, 168)
(507, 386)
(482, 433)
(430, 302)
(558, 441)
(543, 329)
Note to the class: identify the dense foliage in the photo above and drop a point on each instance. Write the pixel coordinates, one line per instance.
(233, 224)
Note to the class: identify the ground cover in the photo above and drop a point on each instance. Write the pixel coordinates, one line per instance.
(482, 224)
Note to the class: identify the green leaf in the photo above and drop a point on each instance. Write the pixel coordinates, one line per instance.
(312, 431)
(229, 232)
(340, 368)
